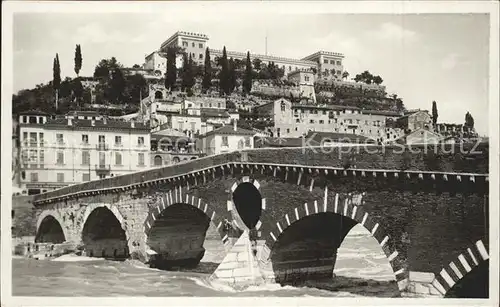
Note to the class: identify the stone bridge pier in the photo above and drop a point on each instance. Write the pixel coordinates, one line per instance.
(283, 223)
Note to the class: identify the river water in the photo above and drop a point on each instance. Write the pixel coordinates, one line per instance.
(361, 269)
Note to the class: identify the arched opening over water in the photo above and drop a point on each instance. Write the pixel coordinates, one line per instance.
(474, 284)
(248, 203)
(103, 235)
(177, 236)
(312, 249)
(50, 230)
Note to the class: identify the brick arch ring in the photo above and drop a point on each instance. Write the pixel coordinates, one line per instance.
(57, 217)
(461, 266)
(237, 221)
(116, 212)
(347, 208)
(180, 196)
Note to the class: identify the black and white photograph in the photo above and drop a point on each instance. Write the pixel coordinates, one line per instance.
(277, 153)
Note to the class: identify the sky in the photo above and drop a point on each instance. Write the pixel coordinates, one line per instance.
(420, 57)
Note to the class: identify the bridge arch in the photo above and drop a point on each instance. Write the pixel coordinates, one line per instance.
(176, 228)
(50, 228)
(104, 232)
(246, 203)
(454, 279)
(346, 212)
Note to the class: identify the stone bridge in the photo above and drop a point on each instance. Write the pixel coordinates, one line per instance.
(426, 206)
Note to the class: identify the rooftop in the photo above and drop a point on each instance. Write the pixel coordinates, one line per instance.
(63, 123)
(229, 130)
(318, 53)
(321, 137)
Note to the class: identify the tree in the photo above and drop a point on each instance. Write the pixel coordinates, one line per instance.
(247, 82)
(56, 80)
(224, 73)
(345, 75)
(232, 80)
(77, 90)
(136, 66)
(117, 86)
(171, 74)
(78, 60)
(105, 66)
(187, 73)
(207, 74)
(434, 113)
(469, 121)
(257, 64)
(136, 88)
(377, 80)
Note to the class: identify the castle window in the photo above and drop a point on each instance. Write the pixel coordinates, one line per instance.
(338, 63)
(332, 62)
(201, 56)
(321, 121)
(283, 107)
(185, 44)
(200, 45)
(192, 45)
(325, 61)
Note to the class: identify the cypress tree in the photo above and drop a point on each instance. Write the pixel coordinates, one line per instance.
(224, 74)
(247, 81)
(434, 113)
(78, 60)
(232, 76)
(207, 76)
(56, 80)
(171, 74)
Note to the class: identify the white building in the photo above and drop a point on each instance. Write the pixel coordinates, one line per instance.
(64, 151)
(225, 139)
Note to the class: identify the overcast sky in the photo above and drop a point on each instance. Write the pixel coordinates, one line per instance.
(420, 57)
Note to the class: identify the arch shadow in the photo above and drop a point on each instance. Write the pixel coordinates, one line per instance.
(50, 222)
(320, 244)
(103, 232)
(176, 229)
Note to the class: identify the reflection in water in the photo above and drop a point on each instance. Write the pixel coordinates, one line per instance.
(361, 269)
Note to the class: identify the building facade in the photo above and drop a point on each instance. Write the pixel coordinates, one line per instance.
(415, 120)
(328, 65)
(65, 151)
(295, 120)
(225, 139)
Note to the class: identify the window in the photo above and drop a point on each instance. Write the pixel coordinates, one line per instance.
(85, 139)
(218, 105)
(59, 139)
(118, 158)
(225, 141)
(41, 139)
(25, 137)
(321, 121)
(295, 128)
(200, 56)
(40, 120)
(247, 142)
(297, 120)
(357, 121)
(25, 119)
(241, 143)
(141, 158)
(102, 159)
(200, 45)
(332, 61)
(102, 139)
(311, 121)
(192, 44)
(33, 156)
(140, 141)
(325, 61)
(339, 63)
(306, 78)
(85, 177)
(85, 157)
(118, 140)
(288, 130)
(339, 72)
(42, 157)
(283, 107)
(60, 158)
(32, 119)
(33, 137)
(34, 177)
(185, 44)
(324, 112)
(102, 176)
(60, 177)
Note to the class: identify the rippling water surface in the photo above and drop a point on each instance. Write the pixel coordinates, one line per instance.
(361, 269)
